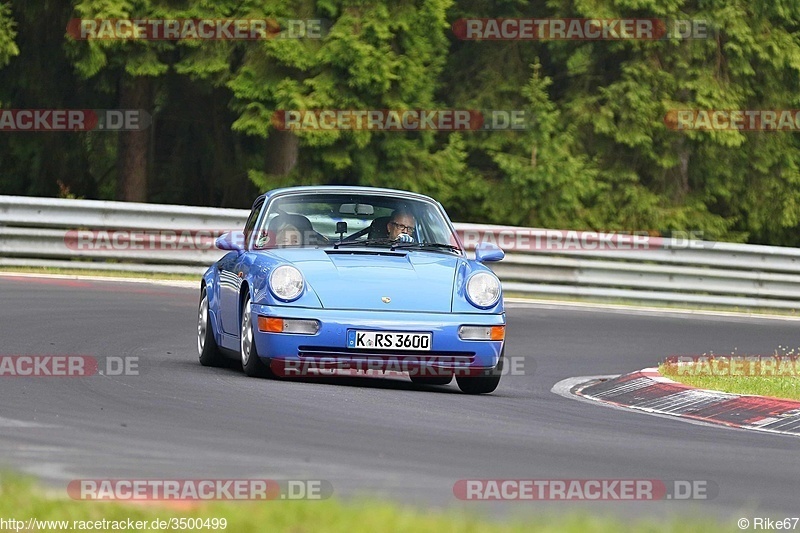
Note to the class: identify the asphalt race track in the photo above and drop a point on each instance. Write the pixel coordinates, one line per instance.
(378, 437)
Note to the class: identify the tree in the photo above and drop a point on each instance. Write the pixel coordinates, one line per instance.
(126, 69)
(599, 151)
(8, 48)
(727, 184)
(380, 55)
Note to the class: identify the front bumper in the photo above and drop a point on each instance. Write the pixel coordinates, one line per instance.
(328, 347)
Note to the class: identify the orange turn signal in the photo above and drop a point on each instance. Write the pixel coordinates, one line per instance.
(498, 333)
(270, 324)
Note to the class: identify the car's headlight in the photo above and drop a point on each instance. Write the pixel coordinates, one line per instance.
(483, 289)
(286, 282)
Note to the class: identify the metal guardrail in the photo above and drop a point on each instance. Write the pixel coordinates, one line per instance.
(24, 211)
(44, 232)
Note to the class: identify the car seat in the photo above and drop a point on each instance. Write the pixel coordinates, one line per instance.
(378, 229)
(307, 233)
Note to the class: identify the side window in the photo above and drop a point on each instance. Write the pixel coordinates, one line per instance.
(250, 225)
(433, 227)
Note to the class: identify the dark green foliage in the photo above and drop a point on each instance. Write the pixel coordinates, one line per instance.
(598, 155)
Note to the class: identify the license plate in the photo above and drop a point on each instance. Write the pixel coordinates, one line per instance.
(388, 340)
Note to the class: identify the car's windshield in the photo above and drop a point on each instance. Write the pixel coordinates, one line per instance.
(339, 220)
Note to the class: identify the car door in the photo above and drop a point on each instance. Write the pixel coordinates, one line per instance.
(231, 275)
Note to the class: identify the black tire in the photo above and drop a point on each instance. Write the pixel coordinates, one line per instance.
(483, 383)
(251, 362)
(207, 349)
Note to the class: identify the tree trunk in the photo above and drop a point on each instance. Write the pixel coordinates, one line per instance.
(684, 156)
(281, 152)
(133, 147)
(227, 172)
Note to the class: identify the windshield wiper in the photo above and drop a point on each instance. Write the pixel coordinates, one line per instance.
(426, 246)
(368, 242)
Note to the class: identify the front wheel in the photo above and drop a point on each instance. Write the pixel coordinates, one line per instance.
(207, 349)
(483, 383)
(251, 362)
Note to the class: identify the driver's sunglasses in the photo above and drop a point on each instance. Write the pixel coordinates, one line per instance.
(403, 227)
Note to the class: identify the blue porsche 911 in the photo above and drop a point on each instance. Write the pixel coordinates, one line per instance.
(353, 278)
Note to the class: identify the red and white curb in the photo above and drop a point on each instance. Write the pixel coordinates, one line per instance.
(648, 391)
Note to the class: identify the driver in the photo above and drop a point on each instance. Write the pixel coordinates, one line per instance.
(402, 221)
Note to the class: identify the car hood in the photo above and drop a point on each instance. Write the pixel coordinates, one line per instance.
(364, 279)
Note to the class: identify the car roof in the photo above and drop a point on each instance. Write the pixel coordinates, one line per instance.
(345, 189)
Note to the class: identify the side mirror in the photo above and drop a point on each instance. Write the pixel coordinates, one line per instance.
(486, 251)
(233, 241)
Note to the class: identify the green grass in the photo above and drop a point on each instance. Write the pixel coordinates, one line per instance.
(101, 273)
(700, 375)
(21, 500)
